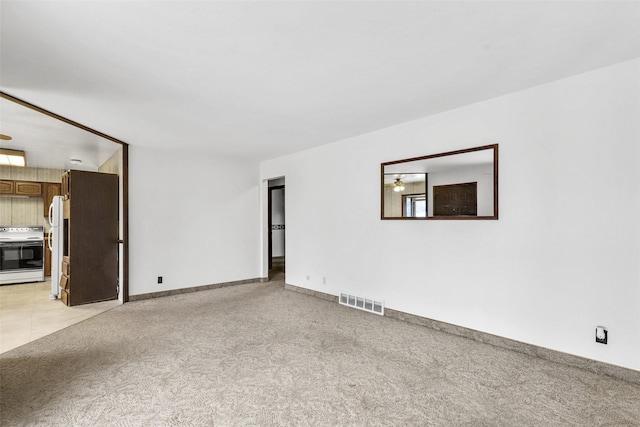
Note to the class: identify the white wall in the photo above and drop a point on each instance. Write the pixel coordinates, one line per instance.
(194, 219)
(564, 255)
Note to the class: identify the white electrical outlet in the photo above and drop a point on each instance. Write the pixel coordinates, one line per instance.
(601, 334)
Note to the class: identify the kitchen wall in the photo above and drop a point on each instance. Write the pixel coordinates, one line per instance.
(18, 210)
(193, 219)
(564, 256)
(113, 164)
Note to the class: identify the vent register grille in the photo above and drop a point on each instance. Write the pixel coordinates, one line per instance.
(362, 303)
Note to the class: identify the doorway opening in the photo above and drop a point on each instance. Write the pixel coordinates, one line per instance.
(276, 227)
(45, 316)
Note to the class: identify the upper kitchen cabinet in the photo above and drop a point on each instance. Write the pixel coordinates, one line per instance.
(28, 188)
(65, 188)
(6, 187)
(49, 190)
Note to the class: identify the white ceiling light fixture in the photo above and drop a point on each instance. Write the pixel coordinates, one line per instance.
(398, 185)
(12, 158)
(75, 161)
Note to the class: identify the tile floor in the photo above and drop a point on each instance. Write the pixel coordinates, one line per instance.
(26, 313)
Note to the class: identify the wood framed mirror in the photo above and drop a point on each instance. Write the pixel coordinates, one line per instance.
(456, 185)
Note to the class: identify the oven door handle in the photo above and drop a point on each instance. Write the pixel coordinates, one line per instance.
(23, 243)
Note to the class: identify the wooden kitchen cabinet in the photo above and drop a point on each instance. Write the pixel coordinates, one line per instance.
(90, 236)
(49, 190)
(65, 188)
(27, 188)
(6, 186)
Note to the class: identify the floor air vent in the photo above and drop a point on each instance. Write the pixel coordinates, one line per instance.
(362, 303)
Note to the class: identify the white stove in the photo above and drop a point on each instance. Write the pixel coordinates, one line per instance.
(21, 254)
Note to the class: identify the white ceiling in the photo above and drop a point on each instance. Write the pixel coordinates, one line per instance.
(261, 79)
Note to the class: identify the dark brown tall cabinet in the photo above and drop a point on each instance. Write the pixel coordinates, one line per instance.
(90, 233)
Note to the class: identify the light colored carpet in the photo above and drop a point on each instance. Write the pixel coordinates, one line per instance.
(257, 354)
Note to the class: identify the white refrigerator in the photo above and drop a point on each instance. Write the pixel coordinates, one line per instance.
(55, 242)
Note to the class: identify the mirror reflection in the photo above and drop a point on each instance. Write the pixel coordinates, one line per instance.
(460, 184)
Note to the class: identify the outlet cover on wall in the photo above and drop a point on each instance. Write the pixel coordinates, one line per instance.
(601, 334)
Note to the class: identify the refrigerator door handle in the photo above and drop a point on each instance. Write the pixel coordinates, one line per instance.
(50, 240)
(51, 214)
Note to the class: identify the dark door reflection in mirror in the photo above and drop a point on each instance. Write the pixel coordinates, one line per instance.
(460, 184)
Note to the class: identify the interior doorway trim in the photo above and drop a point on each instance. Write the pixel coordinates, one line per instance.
(270, 222)
(266, 248)
(125, 181)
